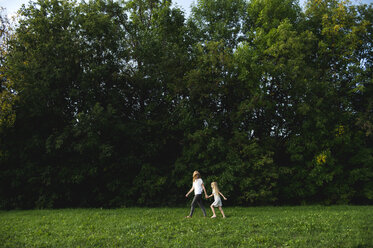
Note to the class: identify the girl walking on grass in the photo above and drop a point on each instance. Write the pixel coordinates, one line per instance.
(198, 187)
(217, 201)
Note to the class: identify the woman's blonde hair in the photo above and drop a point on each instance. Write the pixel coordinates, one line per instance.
(196, 175)
(214, 186)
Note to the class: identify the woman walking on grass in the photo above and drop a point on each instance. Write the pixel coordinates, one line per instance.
(217, 201)
(198, 187)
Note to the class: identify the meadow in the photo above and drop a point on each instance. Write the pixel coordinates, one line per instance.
(301, 226)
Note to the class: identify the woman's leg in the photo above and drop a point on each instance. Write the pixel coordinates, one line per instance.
(200, 204)
(193, 205)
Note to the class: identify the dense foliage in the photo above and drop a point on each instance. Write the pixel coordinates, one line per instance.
(116, 103)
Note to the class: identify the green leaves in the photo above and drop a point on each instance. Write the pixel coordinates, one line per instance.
(218, 20)
(112, 103)
(7, 95)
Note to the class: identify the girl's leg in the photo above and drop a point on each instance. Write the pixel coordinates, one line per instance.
(213, 211)
(200, 204)
(193, 205)
(222, 212)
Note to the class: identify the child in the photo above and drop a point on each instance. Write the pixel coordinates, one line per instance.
(217, 201)
(198, 186)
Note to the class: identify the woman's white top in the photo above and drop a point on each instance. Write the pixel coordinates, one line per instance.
(197, 185)
(217, 201)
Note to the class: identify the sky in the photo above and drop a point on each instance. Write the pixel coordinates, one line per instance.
(12, 6)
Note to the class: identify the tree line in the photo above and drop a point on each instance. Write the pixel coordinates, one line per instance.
(115, 103)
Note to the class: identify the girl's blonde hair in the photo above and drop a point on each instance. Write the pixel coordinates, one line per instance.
(214, 186)
(196, 175)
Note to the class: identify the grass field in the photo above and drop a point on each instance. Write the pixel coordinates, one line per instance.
(308, 226)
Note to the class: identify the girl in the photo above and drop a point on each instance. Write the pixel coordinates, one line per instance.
(198, 186)
(217, 200)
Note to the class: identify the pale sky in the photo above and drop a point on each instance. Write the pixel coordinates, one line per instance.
(13, 5)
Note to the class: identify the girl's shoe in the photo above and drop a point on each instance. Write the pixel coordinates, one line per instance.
(214, 216)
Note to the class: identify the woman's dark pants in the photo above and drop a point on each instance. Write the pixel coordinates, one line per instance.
(197, 200)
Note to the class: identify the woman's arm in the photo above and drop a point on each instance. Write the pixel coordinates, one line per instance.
(222, 195)
(204, 189)
(189, 191)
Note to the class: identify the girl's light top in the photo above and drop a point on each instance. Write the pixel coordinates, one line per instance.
(216, 195)
(197, 184)
(217, 201)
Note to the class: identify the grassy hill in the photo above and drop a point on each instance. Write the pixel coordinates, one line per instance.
(306, 226)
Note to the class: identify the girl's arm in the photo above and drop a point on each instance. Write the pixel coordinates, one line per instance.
(222, 195)
(189, 191)
(204, 189)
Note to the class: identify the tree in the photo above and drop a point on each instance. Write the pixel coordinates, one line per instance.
(115, 103)
(7, 96)
(329, 136)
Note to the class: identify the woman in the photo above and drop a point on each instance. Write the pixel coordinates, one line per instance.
(197, 186)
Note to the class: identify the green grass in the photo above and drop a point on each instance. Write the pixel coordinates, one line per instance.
(309, 226)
